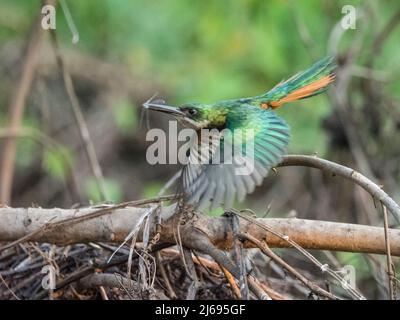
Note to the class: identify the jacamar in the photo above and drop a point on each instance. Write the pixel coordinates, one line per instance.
(217, 185)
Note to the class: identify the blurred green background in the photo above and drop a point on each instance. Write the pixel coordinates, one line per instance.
(203, 50)
(200, 51)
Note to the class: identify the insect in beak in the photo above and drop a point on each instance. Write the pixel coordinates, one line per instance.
(158, 105)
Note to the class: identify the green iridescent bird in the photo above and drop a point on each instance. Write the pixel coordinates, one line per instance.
(217, 183)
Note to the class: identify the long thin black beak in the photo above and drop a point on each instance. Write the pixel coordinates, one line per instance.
(162, 108)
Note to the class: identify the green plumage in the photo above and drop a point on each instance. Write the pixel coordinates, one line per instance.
(262, 133)
(264, 138)
(320, 69)
(271, 133)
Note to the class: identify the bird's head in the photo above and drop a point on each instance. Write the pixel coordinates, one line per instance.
(194, 115)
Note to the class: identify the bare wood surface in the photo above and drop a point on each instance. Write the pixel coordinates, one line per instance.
(113, 226)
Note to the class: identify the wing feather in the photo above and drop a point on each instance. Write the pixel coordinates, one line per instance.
(215, 185)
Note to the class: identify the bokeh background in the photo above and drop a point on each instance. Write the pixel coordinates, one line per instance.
(206, 51)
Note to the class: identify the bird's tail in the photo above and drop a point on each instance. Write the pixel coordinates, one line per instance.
(305, 84)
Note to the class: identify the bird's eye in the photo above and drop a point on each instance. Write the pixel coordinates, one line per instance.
(191, 111)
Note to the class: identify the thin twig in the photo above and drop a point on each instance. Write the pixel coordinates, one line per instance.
(103, 293)
(232, 283)
(272, 293)
(171, 291)
(80, 120)
(345, 172)
(87, 270)
(218, 268)
(268, 252)
(257, 288)
(323, 267)
(8, 288)
(70, 22)
(390, 273)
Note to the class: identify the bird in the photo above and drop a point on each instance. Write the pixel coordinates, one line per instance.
(210, 178)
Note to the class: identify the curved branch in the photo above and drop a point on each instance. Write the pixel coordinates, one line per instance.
(345, 172)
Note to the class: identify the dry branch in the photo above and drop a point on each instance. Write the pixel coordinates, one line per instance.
(268, 252)
(80, 120)
(113, 226)
(17, 107)
(112, 223)
(116, 281)
(347, 173)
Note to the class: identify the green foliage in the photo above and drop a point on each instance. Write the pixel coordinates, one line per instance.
(58, 162)
(15, 17)
(125, 117)
(113, 189)
(356, 260)
(208, 51)
(26, 149)
(26, 146)
(151, 189)
(215, 212)
(200, 56)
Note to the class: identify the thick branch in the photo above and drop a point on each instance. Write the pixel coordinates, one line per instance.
(115, 225)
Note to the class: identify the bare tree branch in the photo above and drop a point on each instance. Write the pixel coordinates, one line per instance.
(348, 173)
(16, 223)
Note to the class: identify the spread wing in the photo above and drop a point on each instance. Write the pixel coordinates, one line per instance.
(229, 167)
